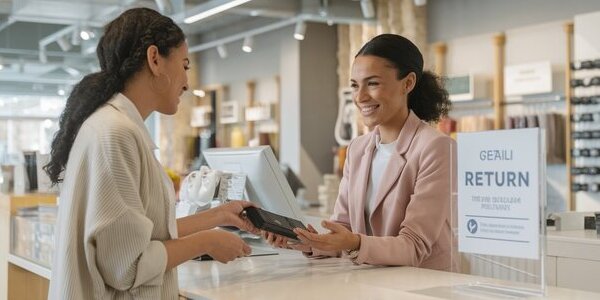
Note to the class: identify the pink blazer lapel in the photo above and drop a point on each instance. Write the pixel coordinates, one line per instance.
(357, 213)
(397, 161)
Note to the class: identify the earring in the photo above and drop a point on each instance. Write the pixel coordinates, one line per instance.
(163, 85)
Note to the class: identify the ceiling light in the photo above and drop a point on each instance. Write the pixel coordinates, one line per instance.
(213, 7)
(300, 30)
(247, 47)
(420, 2)
(199, 93)
(86, 34)
(222, 51)
(75, 40)
(64, 43)
(1, 66)
(43, 56)
(72, 71)
(61, 91)
(367, 8)
(324, 8)
(47, 123)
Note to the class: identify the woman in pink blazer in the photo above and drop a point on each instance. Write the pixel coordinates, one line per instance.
(393, 206)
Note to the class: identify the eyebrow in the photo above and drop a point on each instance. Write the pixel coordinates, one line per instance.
(368, 78)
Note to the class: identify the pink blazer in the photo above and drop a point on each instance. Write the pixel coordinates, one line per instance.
(411, 219)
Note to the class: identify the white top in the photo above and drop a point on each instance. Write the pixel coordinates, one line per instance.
(117, 205)
(381, 157)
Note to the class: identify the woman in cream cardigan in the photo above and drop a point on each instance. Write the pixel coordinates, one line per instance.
(393, 206)
(117, 237)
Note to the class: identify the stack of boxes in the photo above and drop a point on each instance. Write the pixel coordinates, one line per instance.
(328, 192)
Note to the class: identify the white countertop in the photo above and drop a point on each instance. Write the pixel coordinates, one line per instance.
(292, 276)
(577, 244)
(576, 236)
(30, 266)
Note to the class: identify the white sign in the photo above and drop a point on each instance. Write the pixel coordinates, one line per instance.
(499, 192)
(528, 79)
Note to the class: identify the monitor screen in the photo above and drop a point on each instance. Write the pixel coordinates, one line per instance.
(265, 183)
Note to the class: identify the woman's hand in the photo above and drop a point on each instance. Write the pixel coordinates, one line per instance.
(339, 238)
(230, 214)
(225, 246)
(279, 241)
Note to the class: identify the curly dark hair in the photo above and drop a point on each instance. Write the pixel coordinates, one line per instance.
(122, 53)
(428, 100)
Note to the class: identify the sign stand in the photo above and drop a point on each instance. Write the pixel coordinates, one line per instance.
(498, 211)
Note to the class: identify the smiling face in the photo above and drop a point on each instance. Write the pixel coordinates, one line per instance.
(173, 77)
(380, 96)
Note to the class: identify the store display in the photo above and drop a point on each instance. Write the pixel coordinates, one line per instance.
(586, 117)
(585, 121)
(328, 192)
(585, 64)
(31, 168)
(585, 100)
(346, 123)
(583, 152)
(33, 233)
(474, 123)
(597, 215)
(230, 112)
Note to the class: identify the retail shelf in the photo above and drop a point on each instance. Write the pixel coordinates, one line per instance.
(30, 266)
(472, 104)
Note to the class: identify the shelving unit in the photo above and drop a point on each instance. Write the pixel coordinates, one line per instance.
(497, 106)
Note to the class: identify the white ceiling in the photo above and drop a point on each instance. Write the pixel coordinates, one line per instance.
(25, 25)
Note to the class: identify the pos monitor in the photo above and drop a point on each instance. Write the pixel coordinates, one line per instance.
(265, 183)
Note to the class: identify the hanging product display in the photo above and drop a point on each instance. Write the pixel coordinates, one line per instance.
(346, 124)
(585, 121)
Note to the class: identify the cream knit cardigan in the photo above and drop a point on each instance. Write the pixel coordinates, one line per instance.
(116, 206)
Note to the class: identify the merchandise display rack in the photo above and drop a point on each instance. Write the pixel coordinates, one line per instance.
(498, 105)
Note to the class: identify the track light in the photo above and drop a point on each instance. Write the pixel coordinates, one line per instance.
(75, 40)
(247, 47)
(212, 7)
(222, 51)
(420, 2)
(71, 71)
(61, 91)
(85, 34)
(64, 43)
(43, 56)
(300, 30)
(367, 8)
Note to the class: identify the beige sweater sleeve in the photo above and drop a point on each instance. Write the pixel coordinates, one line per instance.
(118, 233)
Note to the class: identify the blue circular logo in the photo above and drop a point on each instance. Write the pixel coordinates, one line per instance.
(472, 226)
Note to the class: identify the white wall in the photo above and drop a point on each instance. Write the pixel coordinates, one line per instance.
(452, 19)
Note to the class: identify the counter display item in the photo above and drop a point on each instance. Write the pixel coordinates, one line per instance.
(33, 233)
